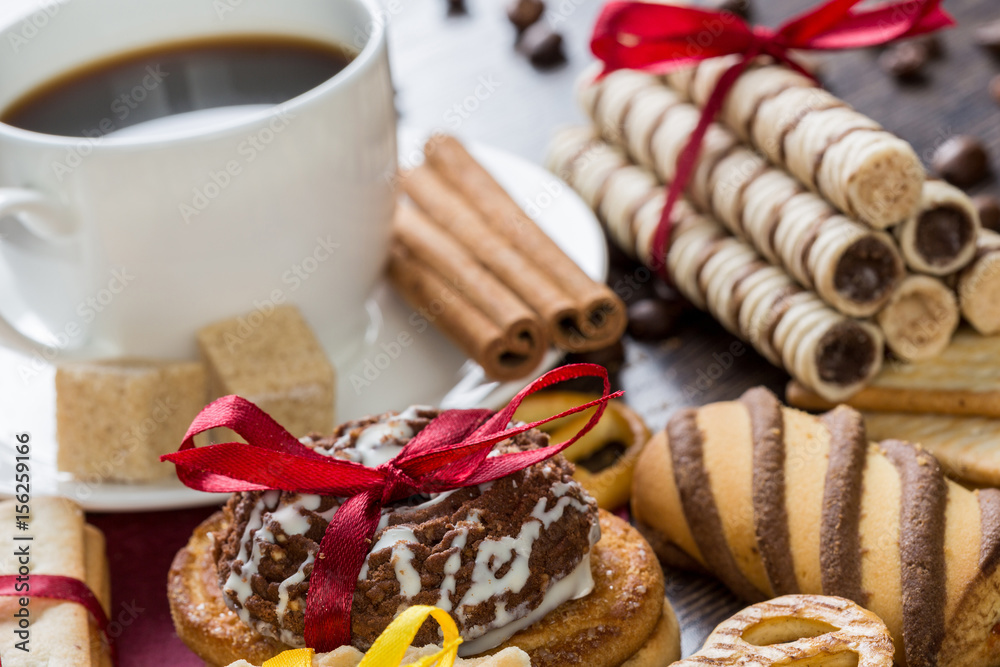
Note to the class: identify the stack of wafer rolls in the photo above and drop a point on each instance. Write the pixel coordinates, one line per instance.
(833, 354)
(774, 501)
(494, 281)
(863, 170)
(61, 634)
(853, 268)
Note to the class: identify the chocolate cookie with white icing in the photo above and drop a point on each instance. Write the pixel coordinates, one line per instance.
(501, 557)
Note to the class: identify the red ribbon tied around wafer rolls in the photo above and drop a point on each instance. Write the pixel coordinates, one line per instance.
(58, 587)
(660, 38)
(449, 453)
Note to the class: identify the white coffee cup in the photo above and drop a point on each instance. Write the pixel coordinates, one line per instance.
(127, 244)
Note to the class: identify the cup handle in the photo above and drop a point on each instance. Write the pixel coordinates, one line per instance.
(43, 218)
(39, 214)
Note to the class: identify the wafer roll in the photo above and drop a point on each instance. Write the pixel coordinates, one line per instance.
(774, 501)
(920, 319)
(863, 170)
(598, 317)
(514, 346)
(963, 380)
(792, 327)
(61, 634)
(850, 266)
(979, 285)
(940, 239)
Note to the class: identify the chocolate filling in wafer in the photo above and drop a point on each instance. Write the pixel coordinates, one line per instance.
(498, 556)
(942, 233)
(845, 354)
(866, 269)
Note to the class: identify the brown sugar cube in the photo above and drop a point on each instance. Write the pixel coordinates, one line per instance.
(274, 360)
(116, 417)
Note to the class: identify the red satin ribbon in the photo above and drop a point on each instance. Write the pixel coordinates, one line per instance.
(660, 38)
(449, 453)
(68, 589)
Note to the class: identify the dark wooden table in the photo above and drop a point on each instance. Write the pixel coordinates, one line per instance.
(440, 64)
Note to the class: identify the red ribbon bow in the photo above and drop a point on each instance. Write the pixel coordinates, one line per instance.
(57, 587)
(449, 453)
(659, 38)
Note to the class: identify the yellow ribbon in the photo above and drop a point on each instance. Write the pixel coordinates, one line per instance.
(389, 649)
(300, 657)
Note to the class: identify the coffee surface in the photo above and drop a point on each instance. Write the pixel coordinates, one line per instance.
(170, 79)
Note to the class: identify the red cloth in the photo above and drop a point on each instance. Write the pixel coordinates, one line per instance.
(140, 549)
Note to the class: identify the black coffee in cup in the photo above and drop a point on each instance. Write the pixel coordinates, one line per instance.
(170, 79)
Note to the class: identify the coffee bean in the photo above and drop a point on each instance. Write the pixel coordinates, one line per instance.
(456, 8)
(611, 357)
(989, 211)
(903, 60)
(932, 44)
(961, 160)
(651, 320)
(523, 13)
(995, 88)
(988, 36)
(542, 45)
(666, 292)
(740, 8)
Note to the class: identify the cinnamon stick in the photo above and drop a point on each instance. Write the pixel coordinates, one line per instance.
(504, 354)
(452, 213)
(524, 331)
(598, 318)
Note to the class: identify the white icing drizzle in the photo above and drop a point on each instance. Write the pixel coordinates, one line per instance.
(240, 583)
(406, 574)
(554, 514)
(296, 578)
(491, 557)
(577, 584)
(451, 568)
(292, 521)
(379, 443)
(401, 560)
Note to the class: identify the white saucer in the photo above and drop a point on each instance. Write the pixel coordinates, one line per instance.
(380, 373)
